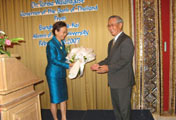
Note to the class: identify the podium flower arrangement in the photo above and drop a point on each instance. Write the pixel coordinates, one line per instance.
(80, 56)
(6, 42)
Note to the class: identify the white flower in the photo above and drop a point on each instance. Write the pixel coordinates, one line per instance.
(2, 32)
(80, 56)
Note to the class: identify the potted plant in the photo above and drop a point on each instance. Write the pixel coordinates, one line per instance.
(4, 42)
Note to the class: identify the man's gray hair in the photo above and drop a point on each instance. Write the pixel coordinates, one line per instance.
(119, 19)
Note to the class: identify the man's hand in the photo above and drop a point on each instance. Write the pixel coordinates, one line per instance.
(103, 69)
(94, 67)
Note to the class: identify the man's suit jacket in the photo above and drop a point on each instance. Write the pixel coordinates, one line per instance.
(119, 61)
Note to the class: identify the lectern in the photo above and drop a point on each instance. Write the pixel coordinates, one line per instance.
(18, 98)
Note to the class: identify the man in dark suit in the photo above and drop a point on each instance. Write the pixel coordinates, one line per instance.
(118, 65)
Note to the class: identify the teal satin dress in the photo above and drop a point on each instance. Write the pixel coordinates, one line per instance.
(56, 70)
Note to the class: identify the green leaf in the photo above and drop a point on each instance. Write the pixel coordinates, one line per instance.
(2, 51)
(15, 40)
(8, 53)
(71, 60)
(85, 58)
(67, 48)
(5, 52)
(2, 41)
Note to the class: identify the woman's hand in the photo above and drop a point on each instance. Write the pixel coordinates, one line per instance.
(71, 64)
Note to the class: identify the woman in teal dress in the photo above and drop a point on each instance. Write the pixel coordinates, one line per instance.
(56, 69)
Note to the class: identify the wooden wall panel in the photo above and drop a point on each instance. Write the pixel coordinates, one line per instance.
(90, 91)
(173, 92)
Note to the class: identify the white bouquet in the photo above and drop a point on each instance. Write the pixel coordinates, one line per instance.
(80, 56)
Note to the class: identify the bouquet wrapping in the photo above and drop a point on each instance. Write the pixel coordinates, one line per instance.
(80, 56)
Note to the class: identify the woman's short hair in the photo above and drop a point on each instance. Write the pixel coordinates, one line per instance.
(57, 26)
